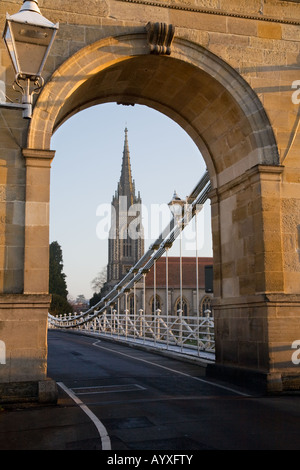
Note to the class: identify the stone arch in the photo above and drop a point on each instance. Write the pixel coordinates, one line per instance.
(195, 88)
(226, 120)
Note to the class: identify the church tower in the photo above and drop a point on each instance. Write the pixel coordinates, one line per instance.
(126, 236)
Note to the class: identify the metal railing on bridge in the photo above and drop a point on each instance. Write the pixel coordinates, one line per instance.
(188, 334)
(191, 335)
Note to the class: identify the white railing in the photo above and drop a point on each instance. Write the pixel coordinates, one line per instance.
(188, 334)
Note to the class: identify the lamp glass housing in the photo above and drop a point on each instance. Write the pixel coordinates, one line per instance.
(176, 206)
(28, 37)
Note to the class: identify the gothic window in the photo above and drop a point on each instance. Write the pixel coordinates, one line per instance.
(205, 305)
(126, 248)
(183, 305)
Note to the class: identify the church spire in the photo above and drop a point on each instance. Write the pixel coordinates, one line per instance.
(126, 186)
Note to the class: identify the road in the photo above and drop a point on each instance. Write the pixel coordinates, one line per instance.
(136, 400)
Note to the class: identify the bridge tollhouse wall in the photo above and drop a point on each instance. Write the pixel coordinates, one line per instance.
(228, 72)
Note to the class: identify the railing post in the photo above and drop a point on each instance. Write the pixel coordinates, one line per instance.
(126, 314)
(154, 299)
(141, 322)
(118, 316)
(104, 321)
(180, 325)
(207, 315)
(134, 309)
(114, 320)
(158, 312)
(167, 295)
(111, 320)
(99, 324)
(144, 303)
(126, 322)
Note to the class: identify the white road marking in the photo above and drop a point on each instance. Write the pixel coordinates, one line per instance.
(105, 440)
(107, 389)
(173, 370)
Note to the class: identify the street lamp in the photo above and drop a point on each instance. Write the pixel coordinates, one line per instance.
(176, 206)
(28, 37)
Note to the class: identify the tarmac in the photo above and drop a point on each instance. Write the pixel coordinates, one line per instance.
(65, 426)
(33, 426)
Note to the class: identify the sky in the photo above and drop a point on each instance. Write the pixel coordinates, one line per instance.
(84, 177)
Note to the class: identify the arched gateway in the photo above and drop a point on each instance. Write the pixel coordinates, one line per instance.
(227, 109)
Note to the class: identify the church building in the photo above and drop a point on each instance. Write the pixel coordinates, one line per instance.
(126, 247)
(126, 236)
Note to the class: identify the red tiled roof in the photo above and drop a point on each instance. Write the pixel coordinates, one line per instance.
(188, 272)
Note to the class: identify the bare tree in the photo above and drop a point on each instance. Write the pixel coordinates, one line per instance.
(98, 282)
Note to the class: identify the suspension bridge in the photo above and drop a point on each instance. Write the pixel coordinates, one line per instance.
(190, 335)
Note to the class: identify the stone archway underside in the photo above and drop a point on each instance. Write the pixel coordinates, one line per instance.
(193, 87)
(190, 97)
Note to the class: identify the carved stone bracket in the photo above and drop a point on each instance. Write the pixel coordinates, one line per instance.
(160, 37)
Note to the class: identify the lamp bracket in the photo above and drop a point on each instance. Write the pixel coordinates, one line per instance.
(26, 107)
(37, 81)
(27, 93)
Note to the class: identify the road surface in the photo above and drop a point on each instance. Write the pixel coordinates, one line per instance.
(136, 400)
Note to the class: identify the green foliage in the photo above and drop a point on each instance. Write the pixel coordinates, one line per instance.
(57, 282)
(59, 305)
(95, 299)
(57, 279)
